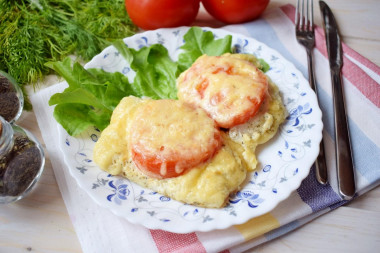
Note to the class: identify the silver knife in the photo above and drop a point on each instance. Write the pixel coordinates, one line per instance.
(344, 163)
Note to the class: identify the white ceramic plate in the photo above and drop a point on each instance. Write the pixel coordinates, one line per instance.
(284, 161)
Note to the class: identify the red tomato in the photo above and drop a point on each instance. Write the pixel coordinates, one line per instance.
(235, 11)
(153, 14)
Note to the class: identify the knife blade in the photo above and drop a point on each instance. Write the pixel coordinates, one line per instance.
(344, 161)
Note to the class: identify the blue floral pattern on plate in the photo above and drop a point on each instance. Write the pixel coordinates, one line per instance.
(283, 162)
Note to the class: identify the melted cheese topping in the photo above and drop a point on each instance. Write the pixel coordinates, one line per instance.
(226, 87)
(167, 135)
(110, 151)
(207, 185)
(260, 128)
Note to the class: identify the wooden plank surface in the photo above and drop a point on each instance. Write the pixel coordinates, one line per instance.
(345, 229)
(40, 222)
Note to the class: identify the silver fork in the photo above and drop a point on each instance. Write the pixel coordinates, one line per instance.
(305, 36)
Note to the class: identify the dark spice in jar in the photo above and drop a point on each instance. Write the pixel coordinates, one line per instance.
(9, 102)
(19, 167)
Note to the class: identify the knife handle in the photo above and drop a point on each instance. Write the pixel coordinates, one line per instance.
(320, 163)
(344, 163)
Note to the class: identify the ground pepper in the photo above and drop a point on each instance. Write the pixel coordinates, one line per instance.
(20, 165)
(9, 101)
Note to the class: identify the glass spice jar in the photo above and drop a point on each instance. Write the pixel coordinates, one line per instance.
(21, 162)
(11, 98)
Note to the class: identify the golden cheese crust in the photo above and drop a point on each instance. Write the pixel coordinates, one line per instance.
(168, 137)
(206, 185)
(230, 89)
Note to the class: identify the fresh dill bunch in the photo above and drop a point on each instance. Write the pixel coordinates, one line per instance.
(7, 5)
(109, 21)
(73, 37)
(33, 32)
(88, 25)
(23, 50)
(25, 56)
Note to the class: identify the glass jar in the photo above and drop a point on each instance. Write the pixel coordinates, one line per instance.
(11, 98)
(22, 161)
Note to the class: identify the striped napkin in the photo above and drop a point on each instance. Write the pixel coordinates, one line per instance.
(99, 230)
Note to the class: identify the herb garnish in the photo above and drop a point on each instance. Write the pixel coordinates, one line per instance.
(35, 32)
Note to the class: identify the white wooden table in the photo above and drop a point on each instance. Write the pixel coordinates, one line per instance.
(40, 222)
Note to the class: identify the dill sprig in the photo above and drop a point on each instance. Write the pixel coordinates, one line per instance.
(33, 32)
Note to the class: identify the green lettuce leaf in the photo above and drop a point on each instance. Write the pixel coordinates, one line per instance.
(199, 42)
(76, 117)
(89, 99)
(156, 73)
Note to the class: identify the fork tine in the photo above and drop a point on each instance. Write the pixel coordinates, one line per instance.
(307, 21)
(297, 13)
(302, 15)
(312, 16)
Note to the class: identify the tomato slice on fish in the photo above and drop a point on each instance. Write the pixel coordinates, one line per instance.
(168, 137)
(234, 92)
